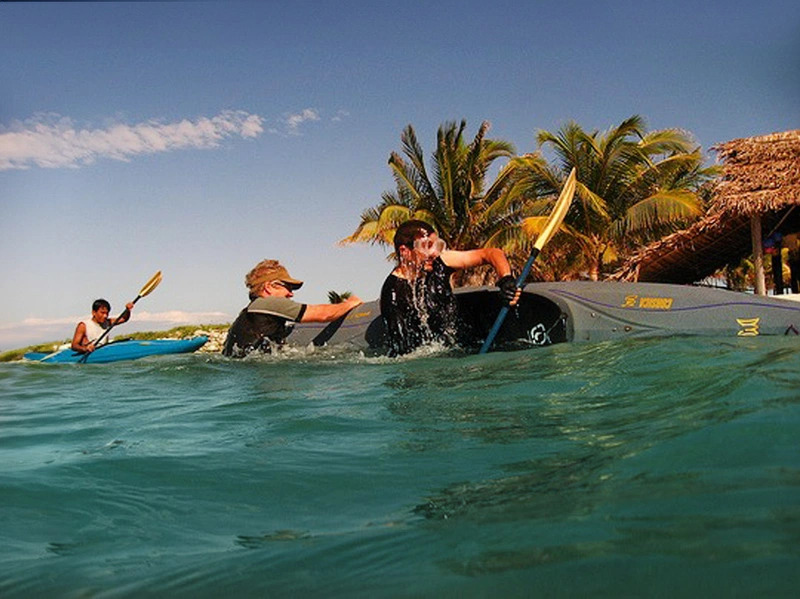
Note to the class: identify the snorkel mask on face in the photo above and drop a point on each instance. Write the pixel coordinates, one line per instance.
(429, 247)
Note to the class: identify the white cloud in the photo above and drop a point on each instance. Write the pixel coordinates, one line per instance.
(290, 123)
(52, 141)
(293, 121)
(181, 317)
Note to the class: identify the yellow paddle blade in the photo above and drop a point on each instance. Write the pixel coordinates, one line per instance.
(151, 284)
(558, 213)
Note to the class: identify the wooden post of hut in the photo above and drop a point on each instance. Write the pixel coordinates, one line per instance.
(758, 254)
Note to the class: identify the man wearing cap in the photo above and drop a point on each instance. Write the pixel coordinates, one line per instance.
(269, 317)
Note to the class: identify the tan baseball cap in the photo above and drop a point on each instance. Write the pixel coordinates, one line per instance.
(270, 270)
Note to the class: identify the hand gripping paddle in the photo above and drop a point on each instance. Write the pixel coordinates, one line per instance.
(550, 228)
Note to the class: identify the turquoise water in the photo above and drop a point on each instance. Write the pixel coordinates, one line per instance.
(642, 468)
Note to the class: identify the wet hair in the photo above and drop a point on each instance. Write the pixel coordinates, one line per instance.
(100, 303)
(408, 232)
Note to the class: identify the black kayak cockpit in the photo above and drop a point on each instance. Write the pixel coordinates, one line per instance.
(535, 320)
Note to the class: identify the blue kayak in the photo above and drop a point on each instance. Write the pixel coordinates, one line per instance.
(122, 350)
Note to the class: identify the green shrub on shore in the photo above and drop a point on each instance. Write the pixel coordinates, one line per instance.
(182, 332)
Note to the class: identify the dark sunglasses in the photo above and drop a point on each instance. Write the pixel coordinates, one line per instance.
(281, 284)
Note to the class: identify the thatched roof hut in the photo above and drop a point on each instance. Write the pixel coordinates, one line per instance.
(757, 194)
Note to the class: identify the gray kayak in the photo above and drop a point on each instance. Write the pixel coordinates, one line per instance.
(576, 311)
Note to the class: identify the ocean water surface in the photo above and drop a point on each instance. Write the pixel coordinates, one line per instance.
(659, 468)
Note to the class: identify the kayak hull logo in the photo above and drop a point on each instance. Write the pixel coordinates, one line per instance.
(748, 327)
(648, 303)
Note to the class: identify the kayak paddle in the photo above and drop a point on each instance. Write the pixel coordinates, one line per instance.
(551, 226)
(148, 287)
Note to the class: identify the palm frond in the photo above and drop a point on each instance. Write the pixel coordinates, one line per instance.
(392, 216)
(664, 207)
(366, 232)
(667, 141)
(592, 204)
(511, 240)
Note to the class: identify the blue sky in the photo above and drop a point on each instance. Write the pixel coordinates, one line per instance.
(197, 138)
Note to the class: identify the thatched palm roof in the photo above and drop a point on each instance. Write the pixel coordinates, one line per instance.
(761, 175)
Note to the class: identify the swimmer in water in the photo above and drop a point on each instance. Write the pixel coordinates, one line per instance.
(417, 301)
(269, 317)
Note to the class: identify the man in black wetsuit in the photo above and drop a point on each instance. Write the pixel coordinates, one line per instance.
(268, 318)
(417, 301)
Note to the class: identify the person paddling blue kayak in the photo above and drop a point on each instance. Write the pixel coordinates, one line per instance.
(93, 332)
(90, 332)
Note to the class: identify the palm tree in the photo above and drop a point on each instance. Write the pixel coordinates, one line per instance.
(452, 196)
(633, 187)
(334, 297)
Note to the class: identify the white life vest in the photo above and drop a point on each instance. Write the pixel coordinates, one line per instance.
(95, 330)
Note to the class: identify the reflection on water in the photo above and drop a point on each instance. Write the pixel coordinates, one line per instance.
(625, 444)
(250, 542)
(618, 469)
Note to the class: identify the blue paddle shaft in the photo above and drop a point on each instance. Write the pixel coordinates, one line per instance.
(504, 310)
